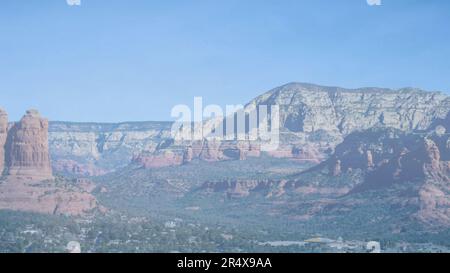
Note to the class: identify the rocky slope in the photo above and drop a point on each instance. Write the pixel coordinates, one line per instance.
(417, 165)
(60, 197)
(409, 171)
(314, 120)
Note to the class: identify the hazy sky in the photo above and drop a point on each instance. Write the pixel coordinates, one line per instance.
(121, 60)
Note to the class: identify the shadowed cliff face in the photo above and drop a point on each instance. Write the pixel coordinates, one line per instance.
(27, 152)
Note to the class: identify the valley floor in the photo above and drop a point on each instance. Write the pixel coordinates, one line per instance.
(175, 209)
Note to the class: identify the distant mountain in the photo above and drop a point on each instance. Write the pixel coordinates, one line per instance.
(327, 114)
(90, 149)
(314, 120)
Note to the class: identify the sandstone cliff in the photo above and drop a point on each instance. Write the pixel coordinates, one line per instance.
(28, 183)
(3, 137)
(90, 149)
(308, 108)
(27, 150)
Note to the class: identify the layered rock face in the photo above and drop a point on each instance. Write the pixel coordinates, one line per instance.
(163, 159)
(27, 150)
(321, 117)
(174, 155)
(308, 108)
(243, 188)
(74, 168)
(206, 150)
(90, 149)
(3, 137)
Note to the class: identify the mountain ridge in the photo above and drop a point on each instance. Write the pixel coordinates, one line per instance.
(314, 119)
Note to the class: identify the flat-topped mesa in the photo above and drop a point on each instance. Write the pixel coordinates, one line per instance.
(308, 109)
(3, 137)
(27, 150)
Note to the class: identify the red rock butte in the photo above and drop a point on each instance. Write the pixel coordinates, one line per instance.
(24, 148)
(3, 137)
(27, 183)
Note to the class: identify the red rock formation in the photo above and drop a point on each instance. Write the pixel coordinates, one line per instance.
(247, 149)
(243, 188)
(3, 137)
(76, 168)
(27, 150)
(29, 184)
(433, 153)
(189, 154)
(433, 195)
(211, 151)
(282, 152)
(370, 163)
(163, 159)
(336, 169)
(45, 197)
(307, 153)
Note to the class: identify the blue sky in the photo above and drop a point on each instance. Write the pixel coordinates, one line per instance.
(121, 60)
